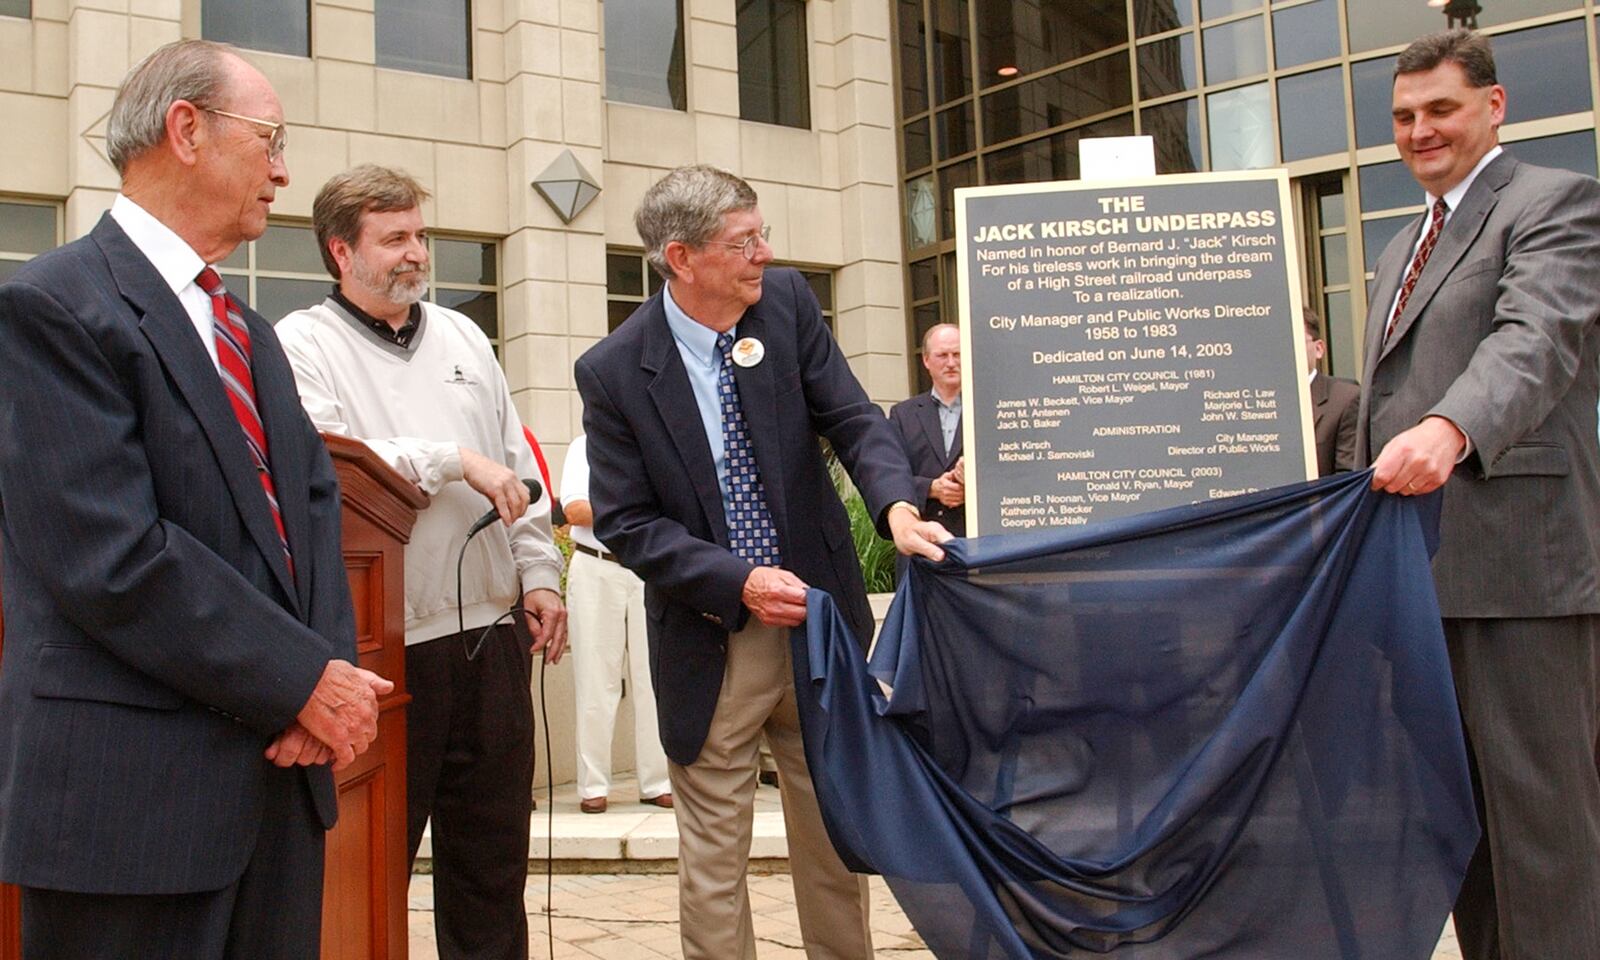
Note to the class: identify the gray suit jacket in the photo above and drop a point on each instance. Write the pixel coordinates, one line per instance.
(1499, 336)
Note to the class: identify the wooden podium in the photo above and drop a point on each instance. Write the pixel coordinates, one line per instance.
(364, 892)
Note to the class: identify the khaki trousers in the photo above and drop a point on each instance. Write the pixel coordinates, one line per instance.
(715, 810)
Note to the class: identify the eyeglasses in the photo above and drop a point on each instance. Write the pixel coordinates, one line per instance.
(280, 132)
(749, 245)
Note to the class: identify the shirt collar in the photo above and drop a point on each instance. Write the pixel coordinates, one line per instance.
(1453, 197)
(952, 405)
(699, 339)
(401, 337)
(173, 258)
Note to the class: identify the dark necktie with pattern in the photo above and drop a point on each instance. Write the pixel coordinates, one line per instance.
(751, 534)
(1414, 273)
(233, 361)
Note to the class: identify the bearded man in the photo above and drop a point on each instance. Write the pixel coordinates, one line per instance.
(420, 385)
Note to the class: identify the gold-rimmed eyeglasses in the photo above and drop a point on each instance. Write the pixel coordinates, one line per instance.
(749, 245)
(276, 143)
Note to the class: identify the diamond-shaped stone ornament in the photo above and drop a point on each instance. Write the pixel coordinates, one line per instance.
(566, 186)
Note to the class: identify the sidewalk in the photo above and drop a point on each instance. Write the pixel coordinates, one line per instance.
(615, 895)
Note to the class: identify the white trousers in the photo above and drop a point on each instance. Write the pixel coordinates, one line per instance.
(605, 617)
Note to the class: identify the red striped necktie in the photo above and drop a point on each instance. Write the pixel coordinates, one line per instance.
(233, 361)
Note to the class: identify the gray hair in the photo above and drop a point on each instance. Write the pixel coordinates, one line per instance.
(687, 205)
(927, 335)
(192, 70)
(1464, 48)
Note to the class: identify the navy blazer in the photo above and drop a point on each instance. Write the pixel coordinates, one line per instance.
(917, 420)
(658, 506)
(155, 639)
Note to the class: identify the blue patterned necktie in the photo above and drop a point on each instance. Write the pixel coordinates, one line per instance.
(751, 534)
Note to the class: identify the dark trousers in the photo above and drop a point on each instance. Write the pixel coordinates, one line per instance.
(272, 912)
(469, 756)
(1530, 702)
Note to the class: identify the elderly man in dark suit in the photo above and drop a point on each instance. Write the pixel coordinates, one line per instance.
(1482, 376)
(702, 412)
(1335, 404)
(179, 648)
(930, 430)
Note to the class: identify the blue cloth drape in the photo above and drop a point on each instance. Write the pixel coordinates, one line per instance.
(1225, 730)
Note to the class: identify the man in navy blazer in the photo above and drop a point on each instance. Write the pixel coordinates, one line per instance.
(178, 673)
(703, 412)
(930, 430)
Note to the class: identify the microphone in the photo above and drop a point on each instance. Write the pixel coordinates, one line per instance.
(535, 491)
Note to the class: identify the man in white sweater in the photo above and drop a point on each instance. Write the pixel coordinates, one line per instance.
(419, 384)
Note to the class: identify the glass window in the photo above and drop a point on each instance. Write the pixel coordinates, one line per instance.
(952, 54)
(1176, 129)
(913, 58)
(482, 308)
(1241, 128)
(918, 149)
(1567, 151)
(1025, 36)
(15, 8)
(774, 72)
(1158, 16)
(277, 297)
(956, 135)
(644, 53)
(1537, 68)
(1340, 335)
(464, 261)
(1372, 89)
(1311, 114)
(921, 216)
(1335, 260)
(1235, 50)
(1212, 9)
(277, 26)
(625, 274)
(1168, 66)
(956, 175)
(1388, 23)
(27, 229)
(288, 249)
(1376, 234)
(1388, 186)
(1306, 33)
(1330, 203)
(924, 280)
(425, 36)
(1065, 96)
(1049, 158)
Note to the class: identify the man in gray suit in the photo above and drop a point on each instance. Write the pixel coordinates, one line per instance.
(1482, 375)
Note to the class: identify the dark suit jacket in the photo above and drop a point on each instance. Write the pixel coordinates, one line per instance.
(155, 640)
(1335, 407)
(658, 506)
(917, 421)
(1500, 337)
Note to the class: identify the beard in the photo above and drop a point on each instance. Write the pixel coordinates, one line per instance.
(405, 284)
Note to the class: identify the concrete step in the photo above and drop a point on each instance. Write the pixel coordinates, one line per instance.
(630, 837)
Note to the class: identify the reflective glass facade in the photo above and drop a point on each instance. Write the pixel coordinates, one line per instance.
(1002, 91)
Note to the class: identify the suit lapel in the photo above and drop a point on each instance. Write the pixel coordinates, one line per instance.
(278, 402)
(1319, 399)
(928, 419)
(166, 325)
(759, 401)
(674, 399)
(1459, 234)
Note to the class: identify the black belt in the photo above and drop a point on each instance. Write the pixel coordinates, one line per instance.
(591, 551)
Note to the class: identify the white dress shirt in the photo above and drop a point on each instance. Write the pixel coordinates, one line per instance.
(175, 260)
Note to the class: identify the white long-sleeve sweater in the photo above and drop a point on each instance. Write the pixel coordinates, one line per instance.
(416, 407)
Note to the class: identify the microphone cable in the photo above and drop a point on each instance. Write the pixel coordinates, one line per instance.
(517, 613)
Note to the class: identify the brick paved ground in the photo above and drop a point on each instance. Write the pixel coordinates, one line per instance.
(610, 917)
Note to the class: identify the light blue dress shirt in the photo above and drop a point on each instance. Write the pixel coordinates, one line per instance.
(697, 344)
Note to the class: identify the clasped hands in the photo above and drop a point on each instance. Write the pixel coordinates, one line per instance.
(777, 597)
(950, 487)
(339, 721)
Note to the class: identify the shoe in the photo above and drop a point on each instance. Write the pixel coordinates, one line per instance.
(769, 777)
(593, 805)
(661, 800)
